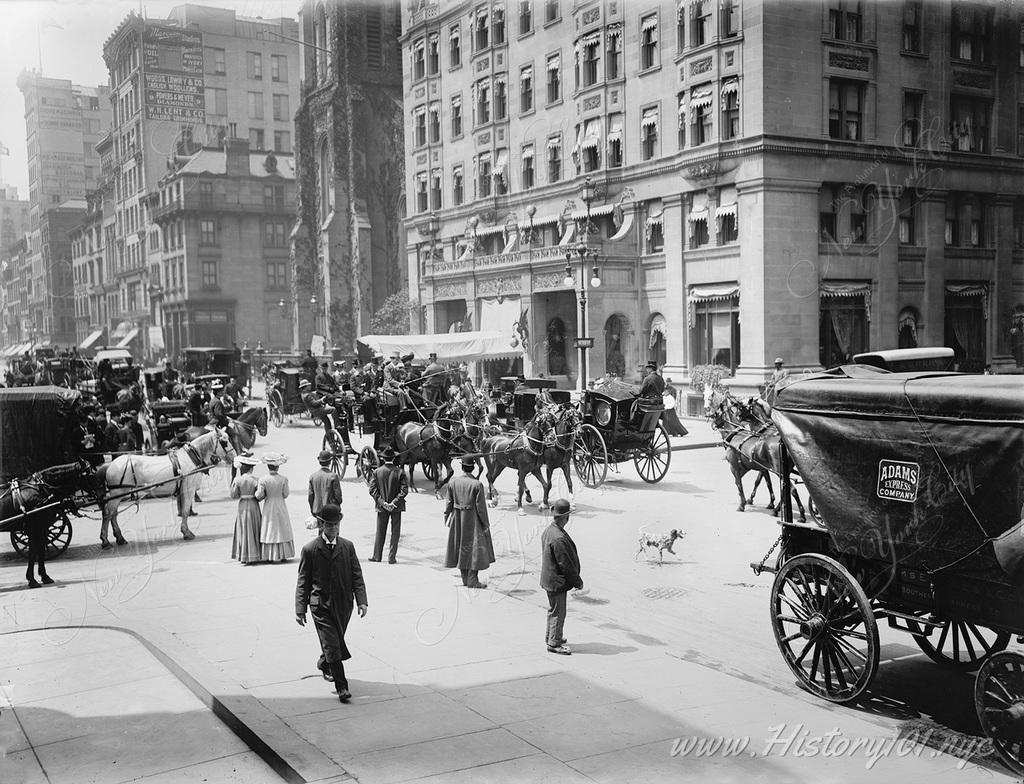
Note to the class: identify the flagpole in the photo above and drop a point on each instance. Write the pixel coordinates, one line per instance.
(39, 45)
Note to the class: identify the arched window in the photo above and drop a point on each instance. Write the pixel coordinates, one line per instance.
(556, 347)
(616, 340)
(908, 324)
(656, 346)
(325, 178)
(320, 39)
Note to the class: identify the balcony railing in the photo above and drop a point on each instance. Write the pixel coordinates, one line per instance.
(481, 262)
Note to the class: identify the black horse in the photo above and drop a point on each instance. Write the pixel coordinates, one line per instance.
(523, 451)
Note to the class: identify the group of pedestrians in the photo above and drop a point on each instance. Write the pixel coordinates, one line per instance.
(262, 534)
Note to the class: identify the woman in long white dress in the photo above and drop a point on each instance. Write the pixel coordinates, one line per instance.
(276, 538)
(246, 545)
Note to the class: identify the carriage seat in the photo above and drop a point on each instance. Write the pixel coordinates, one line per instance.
(644, 414)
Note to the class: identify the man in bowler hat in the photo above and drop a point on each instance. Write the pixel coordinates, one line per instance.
(388, 488)
(469, 530)
(559, 571)
(329, 579)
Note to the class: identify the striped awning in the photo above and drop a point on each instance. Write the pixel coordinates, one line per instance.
(709, 292)
(658, 327)
(723, 210)
(526, 73)
(700, 99)
(829, 290)
(528, 152)
(650, 23)
(93, 337)
(555, 63)
(650, 118)
(696, 215)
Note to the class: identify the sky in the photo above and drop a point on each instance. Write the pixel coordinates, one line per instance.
(73, 49)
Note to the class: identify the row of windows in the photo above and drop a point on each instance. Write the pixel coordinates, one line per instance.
(174, 274)
(215, 63)
(282, 140)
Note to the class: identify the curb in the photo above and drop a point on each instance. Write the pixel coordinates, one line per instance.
(292, 757)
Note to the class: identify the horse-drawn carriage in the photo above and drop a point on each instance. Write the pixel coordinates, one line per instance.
(164, 419)
(618, 426)
(40, 472)
(919, 479)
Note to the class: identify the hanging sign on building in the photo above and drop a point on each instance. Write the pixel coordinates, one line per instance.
(172, 66)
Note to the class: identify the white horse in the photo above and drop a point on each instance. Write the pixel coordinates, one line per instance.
(155, 475)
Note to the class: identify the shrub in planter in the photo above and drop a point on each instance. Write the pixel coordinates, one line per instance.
(707, 375)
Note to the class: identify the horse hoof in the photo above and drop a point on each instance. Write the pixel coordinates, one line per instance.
(46, 579)
(521, 512)
(121, 540)
(33, 584)
(189, 536)
(741, 508)
(105, 545)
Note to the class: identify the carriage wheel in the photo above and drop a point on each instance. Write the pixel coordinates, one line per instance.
(825, 627)
(276, 403)
(367, 463)
(58, 538)
(339, 455)
(590, 456)
(431, 471)
(960, 645)
(653, 459)
(999, 701)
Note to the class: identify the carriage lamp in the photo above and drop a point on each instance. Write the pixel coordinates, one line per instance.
(595, 281)
(602, 413)
(312, 300)
(568, 280)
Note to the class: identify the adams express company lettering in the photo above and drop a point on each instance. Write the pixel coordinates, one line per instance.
(898, 481)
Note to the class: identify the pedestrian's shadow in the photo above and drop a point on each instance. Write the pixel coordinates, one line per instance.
(602, 649)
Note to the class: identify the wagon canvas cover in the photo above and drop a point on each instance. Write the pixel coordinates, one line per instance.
(37, 429)
(911, 468)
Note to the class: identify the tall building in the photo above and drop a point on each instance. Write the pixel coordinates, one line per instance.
(761, 179)
(223, 215)
(63, 122)
(347, 241)
(14, 216)
(200, 77)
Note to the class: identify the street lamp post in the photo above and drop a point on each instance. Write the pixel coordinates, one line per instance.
(587, 257)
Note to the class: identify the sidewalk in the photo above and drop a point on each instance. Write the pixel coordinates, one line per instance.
(450, 685)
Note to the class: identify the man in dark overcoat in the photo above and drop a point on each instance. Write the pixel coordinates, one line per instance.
(330, 578)
(469, 531)
(388, 488)
(559, 571)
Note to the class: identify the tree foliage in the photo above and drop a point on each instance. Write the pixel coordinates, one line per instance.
(393, 316)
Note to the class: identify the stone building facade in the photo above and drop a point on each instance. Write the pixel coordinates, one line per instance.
(802, 180)
(347, 238)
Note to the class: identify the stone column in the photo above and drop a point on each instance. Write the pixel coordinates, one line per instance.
(1001, 298)
(883, 331)
(677, 342)
(932, 213)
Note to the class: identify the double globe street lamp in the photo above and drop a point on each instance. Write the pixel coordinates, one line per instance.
(587, 257)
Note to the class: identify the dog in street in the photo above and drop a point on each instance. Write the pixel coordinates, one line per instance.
(659, 543)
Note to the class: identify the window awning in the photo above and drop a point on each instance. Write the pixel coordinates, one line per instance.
(457, 101)
(449, 347)
(624, 229)
(435, 37)
(510, 242)
(723, 210)
(554, 144)
(134, 333)
(649, 119)
(435, 108)
(614, 33)
(970, 290)
(570, 232)
(122, 329)
(419, 111)
(700, 99)
(681, 111)
(658, 327)
(421, 177)
(93, 337)
(592, 137)
(696, 215)
(528, 153)
(595, 212)
(555, 63)
(501, 79)
(591, 39)
(829, 290)
(526, 73)
(730, 86)
(710, 292)
(615, 127)
(650, 23)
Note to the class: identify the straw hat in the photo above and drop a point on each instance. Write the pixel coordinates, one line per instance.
(248, 460)
(275, 459)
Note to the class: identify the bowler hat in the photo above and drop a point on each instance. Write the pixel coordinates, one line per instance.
(468, 464)
(325, 456)
(330, 514)
(653, 365)
(560, 508)
(387, 453)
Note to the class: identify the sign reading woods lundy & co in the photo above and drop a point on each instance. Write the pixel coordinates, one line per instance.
(172, 62)
(898, 481)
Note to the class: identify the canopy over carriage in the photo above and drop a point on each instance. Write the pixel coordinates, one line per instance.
(919, 481)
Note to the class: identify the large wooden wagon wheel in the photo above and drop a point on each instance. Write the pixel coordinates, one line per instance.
(653, 458)
(959, 644)
(825, 627)
(590, 456)
(276, 403)
(999, 701)
(58, 538)
(367, 463)
(339, 455)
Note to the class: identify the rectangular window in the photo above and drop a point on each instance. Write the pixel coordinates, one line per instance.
(969, 123)
(420, 126)
(207, 232)
(528, 171)
(701, 11)
(699, 232)
(209, 274)
(481, 32)
(283, 141)
(554, 63)
(554, 160)
(858, 227)
(274, 235)
(827, 226)
(913, 108)
(526, 89)
(454, 46)
(458, 187)
(716, 333)
(278, 68)
(680, 28)
(906, 230)
(500, 98)
(419, 59)
(552, 13)
(434, 55)
(435, 189)
(273, 198)
(216, 63)
(484, 175)
(216, 100)
(1020, 47)
(277, 275)
(845, 20)
(280, 108)
(254, 65)
(483, 102)
(701, 123)
(525, 16)
(843, 330)
(728, 229)
(421, 192)
(845, 109)
(730, 111)
(649, 42)
(971, 31)
(730, 15)
(1020, 130)
(205, 195)
(591, 62)
(498, 26)
(614, 60)
(912, 25)
(615, 140)
(256, 139)
(255, 106)
(649, 133)
(457, 116)
(434, 124)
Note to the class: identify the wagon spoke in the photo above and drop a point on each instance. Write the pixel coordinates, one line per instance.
(942, 638)
(966, 637)
(979, 637)
(836, 667)
(800, 597)
(803, 653)
(841, 641)
(788, 619)
(791, 637)
(814, 662)
(798, 610)
(838, 651)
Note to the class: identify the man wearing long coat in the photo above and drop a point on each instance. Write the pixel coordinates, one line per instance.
(469, 531)
(329, 579)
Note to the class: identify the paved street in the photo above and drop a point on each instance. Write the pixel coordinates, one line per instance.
(449, 684)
